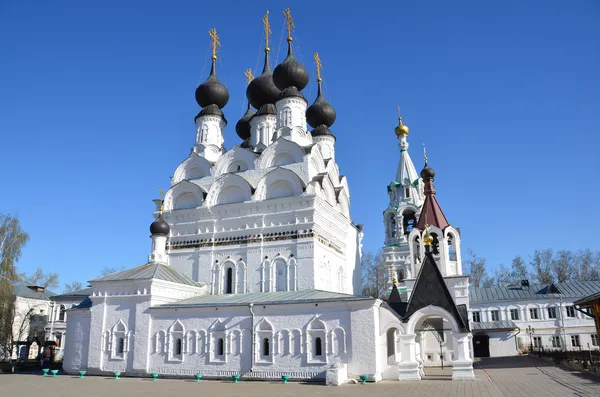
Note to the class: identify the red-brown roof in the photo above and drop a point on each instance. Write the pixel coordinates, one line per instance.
(431, 213)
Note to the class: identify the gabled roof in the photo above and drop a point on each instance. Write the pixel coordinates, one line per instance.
(568, 290)
(26, 290)
(430, 289)
(264, 298)
(150, 271)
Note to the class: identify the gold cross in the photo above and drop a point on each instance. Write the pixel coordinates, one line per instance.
(399, 116)
(249, 75)
(425, 154)
(290, 22)
(319, 66)
(265, 21)
(215, 42)
(162, 193)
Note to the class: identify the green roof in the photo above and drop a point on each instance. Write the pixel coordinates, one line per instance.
(264, 298)
(148, 272)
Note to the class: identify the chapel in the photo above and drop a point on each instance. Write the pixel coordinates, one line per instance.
(255, 262)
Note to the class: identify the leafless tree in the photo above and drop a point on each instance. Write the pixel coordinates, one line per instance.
(374, 274)
(74, 286)
(475, 268)
(46, 280)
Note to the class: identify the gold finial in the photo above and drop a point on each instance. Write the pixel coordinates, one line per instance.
(425, 154)
(249, 75)
(427, 239)
(265, 21)
(401, 129)
(394, 281)
(290, 23)
(162, 199)
(215, 42)
(319, 66)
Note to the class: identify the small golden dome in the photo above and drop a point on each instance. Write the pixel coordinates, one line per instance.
(401, 130)
(394, 281)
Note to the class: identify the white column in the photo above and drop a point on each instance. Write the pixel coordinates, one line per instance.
(408, 368)
(159, 252)
(462, 366)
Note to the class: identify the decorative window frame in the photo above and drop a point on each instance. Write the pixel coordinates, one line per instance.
(176, 331)
(118, 332)
(264, 330)
(316, 329)
(218, 331)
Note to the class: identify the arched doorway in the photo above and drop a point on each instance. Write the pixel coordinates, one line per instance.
(481, 345)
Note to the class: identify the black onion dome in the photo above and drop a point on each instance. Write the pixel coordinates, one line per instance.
(243, 125)
(321, 130)
(212, 92)
(160, 226)
(262, 90)
(320, 112)
(427, 172)
(291, 92)
(246, 143)
(290, 72)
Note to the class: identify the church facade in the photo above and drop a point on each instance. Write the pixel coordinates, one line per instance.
(255, 262)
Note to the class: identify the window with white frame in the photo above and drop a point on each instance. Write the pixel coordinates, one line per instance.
(534, 314)
(552, 312)
(476, 317)
(175, 337)
(218, 344)
(555, 341)
(264, 334)
(495, 315)
(571, 311)
(594, 339)
(316, 339)
(514, 314)
(575, 341)
(118, 339)
(537, 341)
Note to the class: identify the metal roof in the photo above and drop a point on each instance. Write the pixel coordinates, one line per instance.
(25, 290)
(264, 298)
(569, 290)
(150, 271)
(77, 294)
(590, 299)
(494, 326)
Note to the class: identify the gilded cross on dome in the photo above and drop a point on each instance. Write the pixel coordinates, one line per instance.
(215, 42)
(319, 66)
(290, 22)
(265, 21)
(249, 75)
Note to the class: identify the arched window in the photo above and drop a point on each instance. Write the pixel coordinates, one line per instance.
(229, 282)
(178, 346)
(435, 245)
(417, 250)
(318, 347)
(220, 347)
(266, 350)
(62, 313)
(409, 220)
(391, 346)
(407, 192)
(121, 347)
(287, 118)
(281, 276)
(451, 250)
(391, 226)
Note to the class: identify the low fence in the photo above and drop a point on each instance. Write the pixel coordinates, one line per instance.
(582, 360)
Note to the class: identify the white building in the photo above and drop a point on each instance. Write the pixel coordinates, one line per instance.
(255, 261)
(501, 317)
(32, 305)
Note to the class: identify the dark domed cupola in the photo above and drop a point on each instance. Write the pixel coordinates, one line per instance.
(212, 91)
(160, 226)
(242, 128)
(290, 72)
(320, 115)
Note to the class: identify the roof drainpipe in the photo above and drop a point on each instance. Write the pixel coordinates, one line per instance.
(517, 342)
(252, 339)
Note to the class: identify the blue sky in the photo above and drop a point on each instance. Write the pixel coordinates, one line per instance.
(97, 107)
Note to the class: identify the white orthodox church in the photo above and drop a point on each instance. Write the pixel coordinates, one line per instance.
(255, 261)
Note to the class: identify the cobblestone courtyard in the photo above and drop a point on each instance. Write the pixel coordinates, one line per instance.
(515, 376)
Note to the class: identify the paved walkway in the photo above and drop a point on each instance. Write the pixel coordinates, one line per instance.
(515, 376)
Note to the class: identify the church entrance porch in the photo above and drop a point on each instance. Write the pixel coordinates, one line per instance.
(452, 346)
